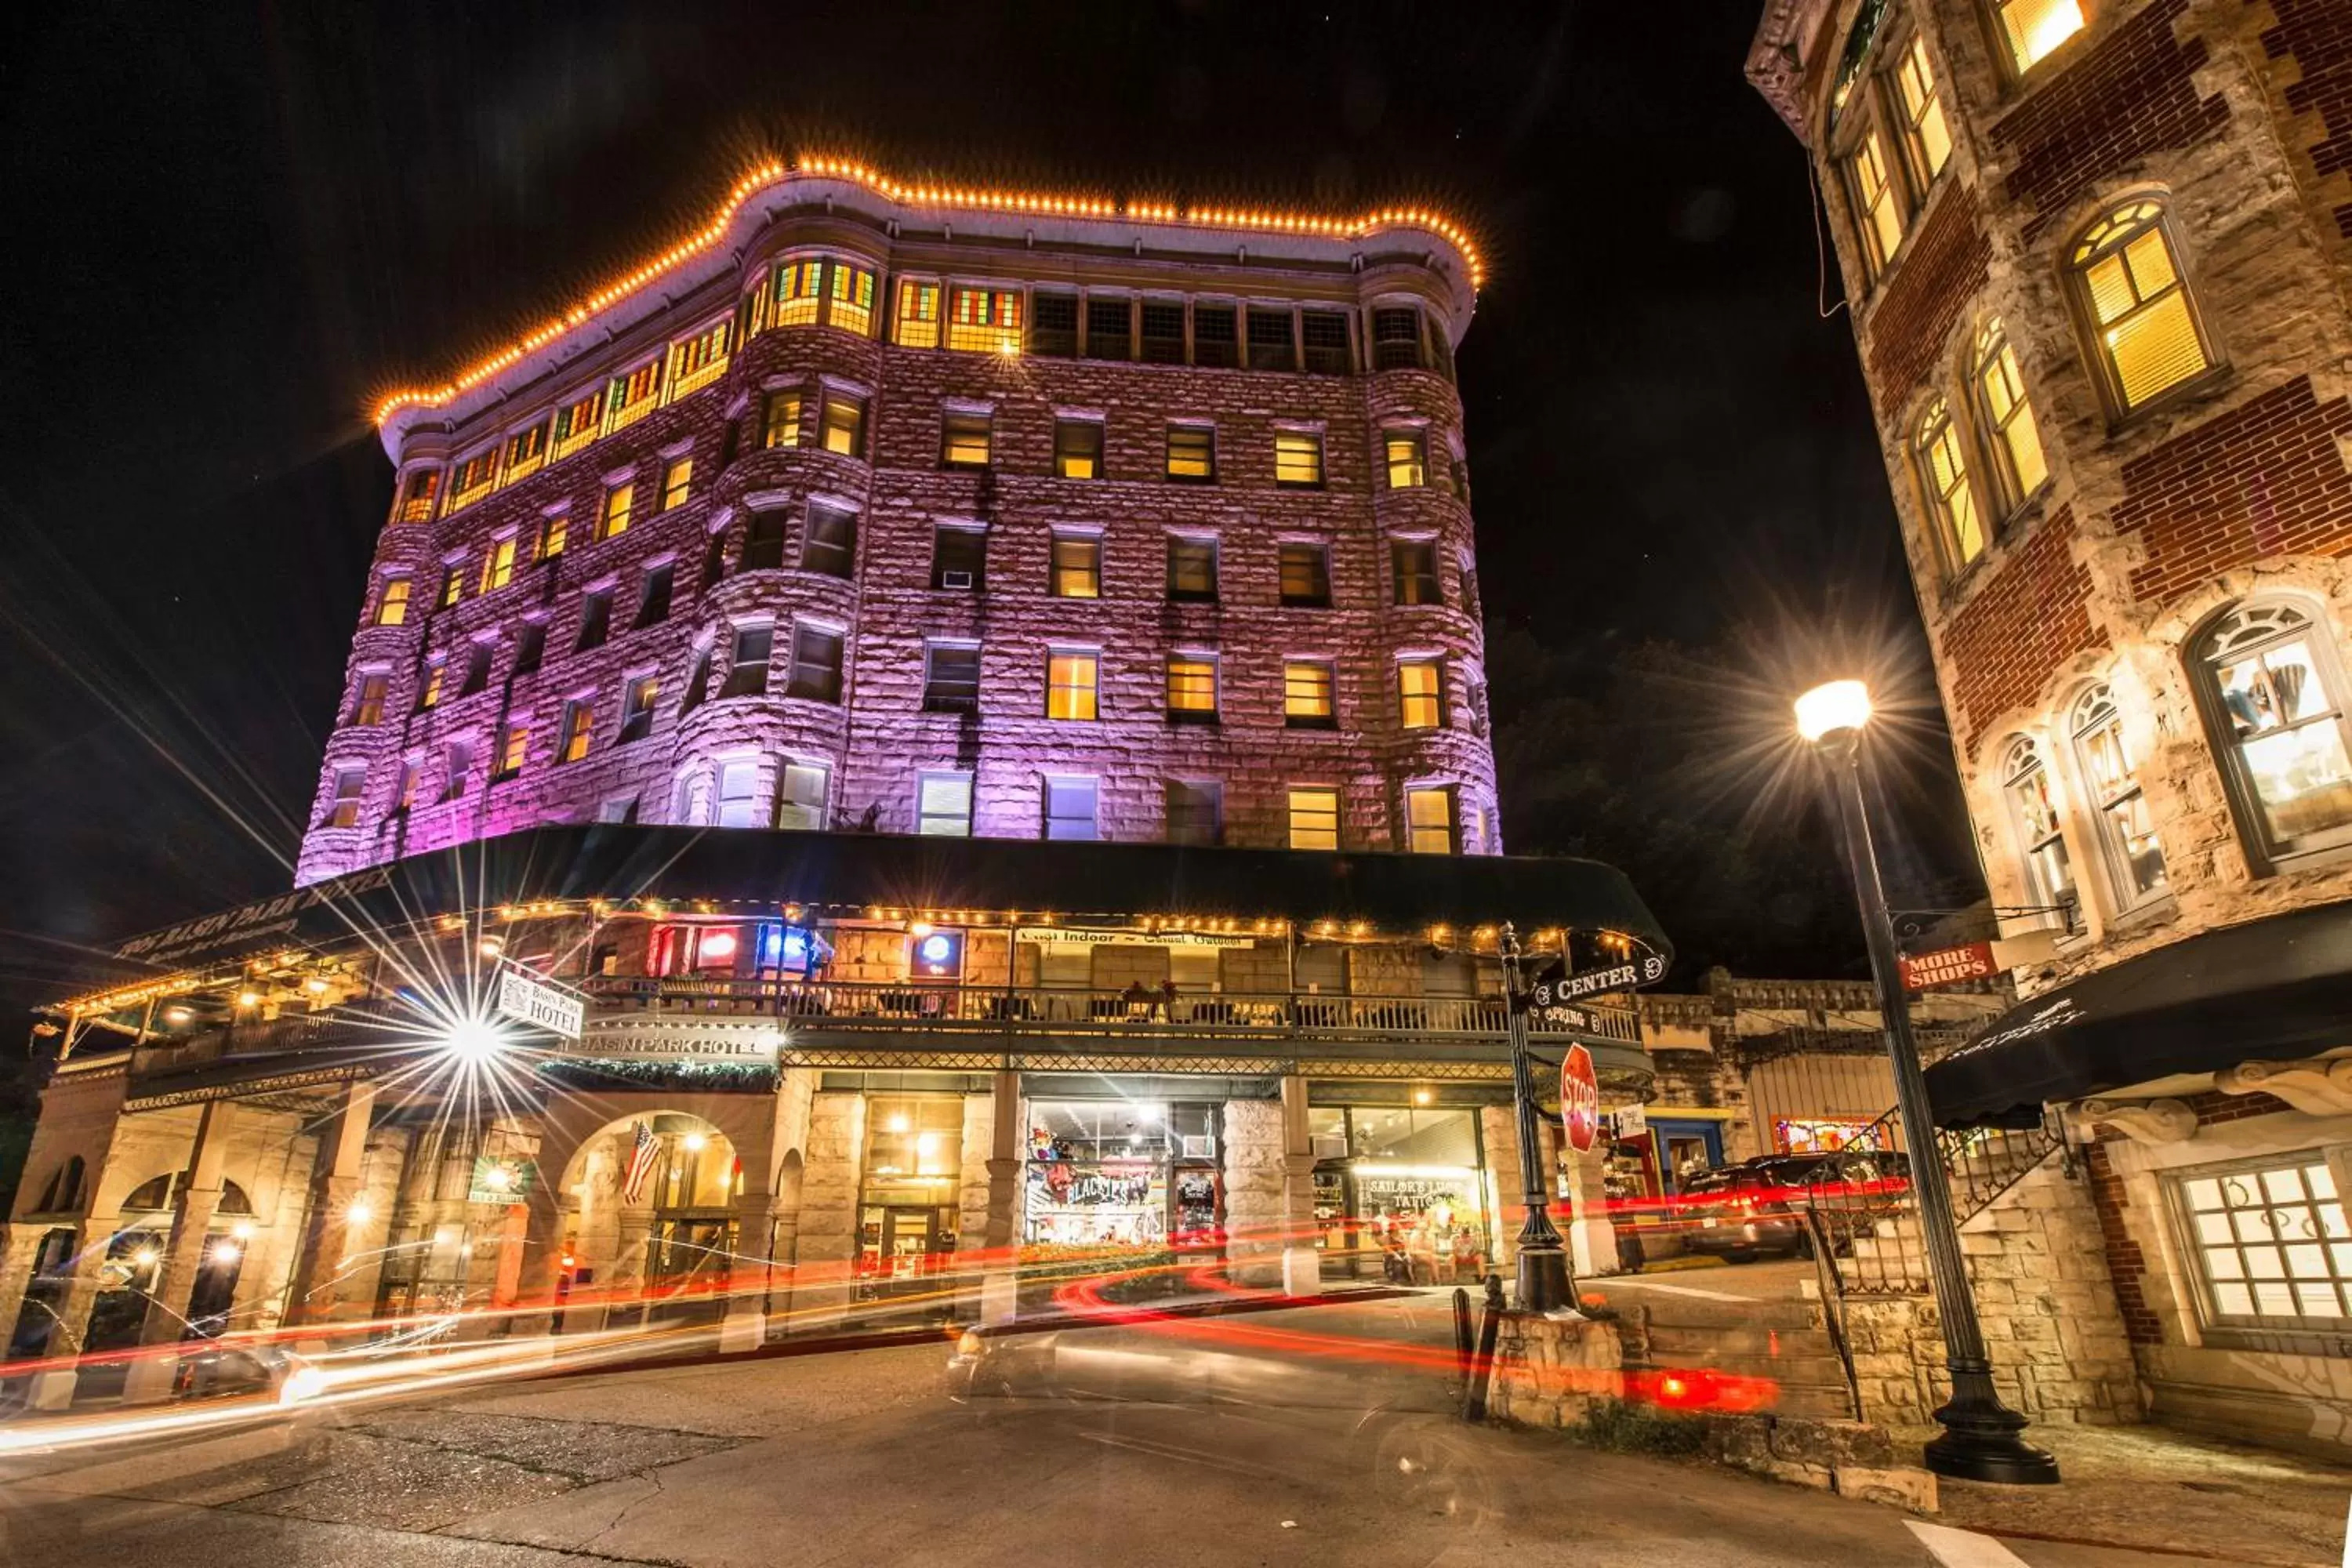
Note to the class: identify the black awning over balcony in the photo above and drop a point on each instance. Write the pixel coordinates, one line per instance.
(2275, 987)
(1394, 894)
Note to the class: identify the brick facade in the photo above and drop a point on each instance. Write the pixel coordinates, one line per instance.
(879, 735)
(2314, 38)
(2018, 626)
(1911, 326)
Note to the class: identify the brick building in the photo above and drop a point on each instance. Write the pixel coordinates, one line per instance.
(973, 701)
(2098, 259)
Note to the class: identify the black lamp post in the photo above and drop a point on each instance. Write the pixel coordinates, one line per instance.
(1979, 1441)
(1543, 1282)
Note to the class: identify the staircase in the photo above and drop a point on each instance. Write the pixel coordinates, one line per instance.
(1785, 1338)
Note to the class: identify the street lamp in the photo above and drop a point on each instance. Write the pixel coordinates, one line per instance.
(1979, 1441)
(1543, 1283)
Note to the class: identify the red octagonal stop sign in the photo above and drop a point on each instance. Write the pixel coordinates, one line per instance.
(1579, 1099)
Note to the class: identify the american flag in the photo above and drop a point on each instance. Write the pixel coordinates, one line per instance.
(641, 1163)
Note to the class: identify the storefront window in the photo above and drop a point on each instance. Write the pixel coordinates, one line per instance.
(906, 1209)
(2271, 1243)
(1400, 1193)
(1121, 1174)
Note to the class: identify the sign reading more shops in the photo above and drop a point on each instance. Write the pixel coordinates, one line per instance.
(538, 1001)
(1947, 965)
(1579, 1099)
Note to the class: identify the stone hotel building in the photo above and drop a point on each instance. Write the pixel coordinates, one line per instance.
(980, 695)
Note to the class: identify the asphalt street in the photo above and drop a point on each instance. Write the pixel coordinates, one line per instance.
(1300, 1437)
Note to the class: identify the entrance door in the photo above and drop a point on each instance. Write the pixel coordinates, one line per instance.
(909, 1238)
(1685, 1149)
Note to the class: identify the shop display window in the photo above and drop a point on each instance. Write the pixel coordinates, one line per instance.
(1400, 1193)
(1121, 1173)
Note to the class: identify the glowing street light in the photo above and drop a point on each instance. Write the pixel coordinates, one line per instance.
(1979, 1441)
(473, 1041)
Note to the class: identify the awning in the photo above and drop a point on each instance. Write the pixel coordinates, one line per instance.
(2274, 988)
(1392, 892)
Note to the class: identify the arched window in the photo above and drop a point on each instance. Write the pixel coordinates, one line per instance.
(155, 1196)
(2127, 832)
(2033, 811)
(1944, 471)
(2144, 329)
(2273, 697)
(2007, 416)
(151, 1195)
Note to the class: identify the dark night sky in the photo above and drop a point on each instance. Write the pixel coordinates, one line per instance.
(229, 225)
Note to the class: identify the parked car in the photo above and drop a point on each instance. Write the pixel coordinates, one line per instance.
(1758, 1207)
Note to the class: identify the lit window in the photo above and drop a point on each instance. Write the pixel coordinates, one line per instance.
(1192, 453)
(1192, 688)
(367, 708)
(578, 719)
(678, 482)
(801, 797)
(615, 519)
(2009, 428)
(1070, 685)
(2272, 1244)
(1078, 448)
(697, 362)
(1196, 812)
(959, 558)
(418, 496)
(943, 806)
(1429, 821)
(1306, 695)
(579, 422)
(1070, 809)
(1297, 457)
(798, 293)
(1421, 693)
(780, 420)
(963, 438)
(514, 746)
(2034, 27)
(1925, 131)
(1315, 819)
(595, 619)
(852, 298)
(1305, 576)
(343, 811)
(633, 396)
(986, 320)
(1416, 571)
(763, 540)
(747, 667)
(1408, 458)
(497, 564)
(1191, 570)
(2126, 831)
(551, 542)
(918, 315)
(473, 478)
(2033, 811)
(950, 677)
(1077, 566)
(740, 805)
(1943, 467)
(842, 426)
(2130, 282)
(453, 582)
(430, 697)
(2272, 688)
(831, 545)
(391, 603)
(1880, 209)
(817, 665)
(637, 699)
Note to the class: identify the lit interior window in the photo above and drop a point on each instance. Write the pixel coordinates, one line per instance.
(1315, 819)
(985, 320)
(1070, 685)
(1875, 198)
(2267, 678)
(2139, 304)
(1923, 126)
(918, 315)
(852, 298)
(2272, 1244)
(1191, 685)
(1943, 464)
(1420, 684)
(1297, 457)
(2009, 416)
(798, 294)
(1077, 566)
(1429, 820)
(2034, 27)
(2127, 828)
(1307, 693)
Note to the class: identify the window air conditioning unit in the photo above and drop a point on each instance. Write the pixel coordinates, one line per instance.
(955, 579)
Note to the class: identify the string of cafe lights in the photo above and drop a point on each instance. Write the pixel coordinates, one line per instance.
(945, 197)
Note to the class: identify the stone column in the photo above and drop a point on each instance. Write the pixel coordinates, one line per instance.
(319, 1293)
(993, 1234)
(542, 1259)
(1255, 1197)
(825, 1274)
(1507, 1206)
(1591, 1234)
(151, 1375)
(21, 1247)
(53, 1390)
(1302, 1264)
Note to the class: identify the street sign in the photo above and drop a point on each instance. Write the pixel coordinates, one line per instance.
(536, 1000)
(1947, 965)
(1579, 1099)
(1632, 1120)
(1555, 989)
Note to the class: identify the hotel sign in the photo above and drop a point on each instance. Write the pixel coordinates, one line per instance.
(533, 998)
(671, 1043)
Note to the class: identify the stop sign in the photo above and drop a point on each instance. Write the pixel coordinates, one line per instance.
(1579, 1099)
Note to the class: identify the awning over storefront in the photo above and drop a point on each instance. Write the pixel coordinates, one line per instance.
(2280, 987)
(1390, 892)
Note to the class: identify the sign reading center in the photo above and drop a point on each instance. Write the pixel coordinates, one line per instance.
(1579, 1099)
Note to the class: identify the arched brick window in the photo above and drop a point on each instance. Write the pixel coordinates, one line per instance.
(2127, 840)
(2012, 436)
(2145, 335)
(2272, 695)
(1942, 452)
(2034, 815)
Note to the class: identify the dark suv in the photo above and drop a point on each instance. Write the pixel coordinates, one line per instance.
(1756, 1208)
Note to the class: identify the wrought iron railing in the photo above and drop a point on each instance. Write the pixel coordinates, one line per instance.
(1863, 1210)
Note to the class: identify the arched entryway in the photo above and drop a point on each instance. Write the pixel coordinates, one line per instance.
(650, 1214)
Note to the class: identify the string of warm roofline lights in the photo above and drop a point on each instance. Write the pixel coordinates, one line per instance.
(1255, 220)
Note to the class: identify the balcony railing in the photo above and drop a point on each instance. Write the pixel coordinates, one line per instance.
(1064, 1010)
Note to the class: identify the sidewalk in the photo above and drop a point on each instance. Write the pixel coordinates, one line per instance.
(2164, 1491)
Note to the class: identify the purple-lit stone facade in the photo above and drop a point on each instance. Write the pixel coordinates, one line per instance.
(401, 776)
